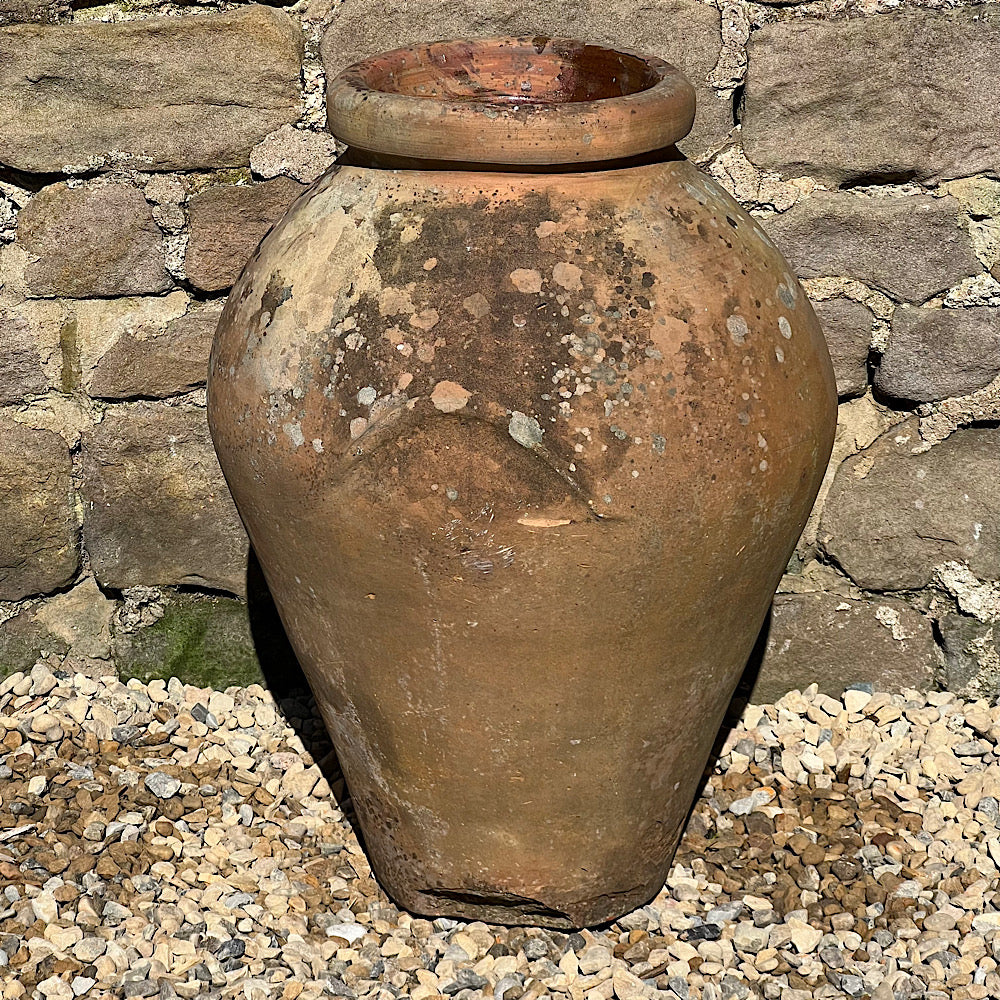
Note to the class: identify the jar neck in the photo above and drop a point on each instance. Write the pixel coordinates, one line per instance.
(353, 156)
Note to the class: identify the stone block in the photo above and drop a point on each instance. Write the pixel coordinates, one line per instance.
(911, 247)
(227, 222)
(145, 347)
(23, 640)
(848, 328)
(971, 656)
(684, 32)
(900, 95)
(294, 152)
(96, 239)
(39, 546)
(214, 642)
(157, 94)
(893, 516)
(936, 353)
(22, 373)
(156, 508)
(835, 642)
(76, 625)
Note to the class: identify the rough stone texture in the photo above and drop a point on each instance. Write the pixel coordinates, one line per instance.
(227, 223)
(161, 94)
(23, 640)
(971, 655)
(909, 247)
(156, 508)
(892, 516)
(936, 353)
(39, 544)
(157, 361)
(683, 32)
(860, 422)
(21, 371)
(79, 620)
(33, 11)
(94, 240)
(911, 94)
(848, 328)
(103, 326)
(294, 152)
(835, 642)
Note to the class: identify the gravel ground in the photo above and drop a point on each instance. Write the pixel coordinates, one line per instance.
(164, 840)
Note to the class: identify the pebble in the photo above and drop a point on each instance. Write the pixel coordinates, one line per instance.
(349, 932)
(750, 938)
(986, 922)
(855, 701)
(162, 785)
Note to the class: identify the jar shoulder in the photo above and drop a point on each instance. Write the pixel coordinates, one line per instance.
(586, 316)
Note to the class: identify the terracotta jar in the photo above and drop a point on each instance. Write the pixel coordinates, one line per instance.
(524, 416)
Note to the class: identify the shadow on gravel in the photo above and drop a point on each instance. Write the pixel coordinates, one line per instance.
(286, 681)
(737, 705)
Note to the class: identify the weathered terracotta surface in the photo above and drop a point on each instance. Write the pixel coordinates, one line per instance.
(523, 456)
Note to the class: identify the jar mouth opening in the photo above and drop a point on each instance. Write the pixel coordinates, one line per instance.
(509, 71)
(536, 100)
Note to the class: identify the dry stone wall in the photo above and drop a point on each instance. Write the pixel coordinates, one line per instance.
(146, 147)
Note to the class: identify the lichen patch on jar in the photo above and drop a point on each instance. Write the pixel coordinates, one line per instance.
(450, 397)
(567, 275)
(525, 430)
(526, 280)
(738, 329)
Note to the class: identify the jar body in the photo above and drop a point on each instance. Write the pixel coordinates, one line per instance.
(523, 457)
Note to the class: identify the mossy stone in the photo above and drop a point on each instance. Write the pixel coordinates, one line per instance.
(215, 642)
(204, 641)
(23, 641)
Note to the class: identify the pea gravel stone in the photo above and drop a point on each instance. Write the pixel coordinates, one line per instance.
(162, 785)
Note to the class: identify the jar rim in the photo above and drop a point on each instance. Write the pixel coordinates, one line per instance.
(513, 100)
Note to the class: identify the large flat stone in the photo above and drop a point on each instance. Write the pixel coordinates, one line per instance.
(892, 516)
(94, 240)
(936, 353)
(163, 363)
(835, 642)
(156, 508)
(909, 94)
(35, 348)
(156, 94)
(910, 248)
(847, 326)
(74, 625)
(227, 222)
(684, 32)
(206, 641)
(39, 545)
